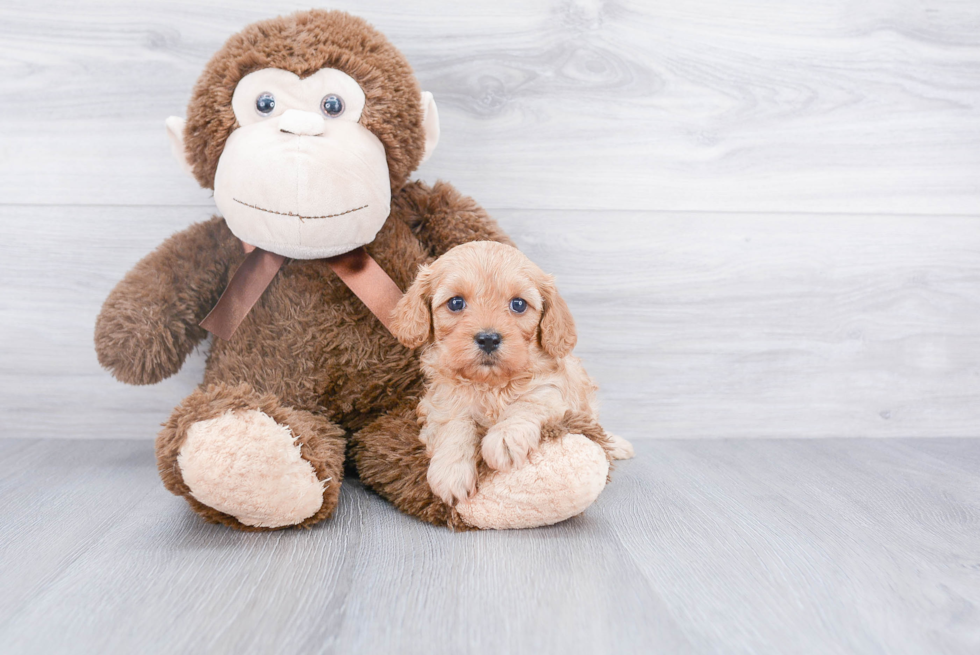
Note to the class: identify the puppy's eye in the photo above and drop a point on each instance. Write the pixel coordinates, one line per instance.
(456, 304)
(518, 305)
(265, 103)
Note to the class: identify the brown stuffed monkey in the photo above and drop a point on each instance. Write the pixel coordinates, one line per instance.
(307, 128)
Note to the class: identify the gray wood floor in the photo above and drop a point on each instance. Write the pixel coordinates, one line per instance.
(697, 546)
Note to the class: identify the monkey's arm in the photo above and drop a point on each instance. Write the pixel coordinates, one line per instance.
(442, 218)
(149, 323)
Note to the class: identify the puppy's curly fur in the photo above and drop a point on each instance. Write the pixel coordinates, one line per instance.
(490, 400)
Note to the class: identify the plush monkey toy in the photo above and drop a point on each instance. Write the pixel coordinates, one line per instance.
(307, 128)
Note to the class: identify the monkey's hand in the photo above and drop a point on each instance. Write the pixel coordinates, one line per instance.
(149, 323)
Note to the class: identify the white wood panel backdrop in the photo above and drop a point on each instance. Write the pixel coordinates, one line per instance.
(764, 214)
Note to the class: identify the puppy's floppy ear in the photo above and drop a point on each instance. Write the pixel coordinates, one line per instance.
(557, 326)
(411, 320)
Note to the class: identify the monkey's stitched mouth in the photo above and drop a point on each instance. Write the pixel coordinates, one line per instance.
(299, 216)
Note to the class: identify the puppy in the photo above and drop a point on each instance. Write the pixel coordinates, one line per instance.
(498, 364)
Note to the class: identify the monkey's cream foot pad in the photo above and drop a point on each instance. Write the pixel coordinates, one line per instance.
(562, 478)
(246, 465)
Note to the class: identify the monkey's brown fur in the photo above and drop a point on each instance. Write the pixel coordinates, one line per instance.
(303, 44)
(390, 457)
(309, 354)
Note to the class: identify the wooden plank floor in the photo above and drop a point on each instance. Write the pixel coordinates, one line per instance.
(697, 546)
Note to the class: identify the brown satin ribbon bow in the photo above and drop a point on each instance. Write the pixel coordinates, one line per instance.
(356, 269)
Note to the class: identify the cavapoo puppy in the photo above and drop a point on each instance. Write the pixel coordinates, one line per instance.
(498, 364)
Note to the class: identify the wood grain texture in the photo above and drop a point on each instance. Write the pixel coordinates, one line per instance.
(704, 546)
(829, 106)
(697, 325)
(660, 158)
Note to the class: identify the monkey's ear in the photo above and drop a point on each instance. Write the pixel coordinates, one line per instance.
(175, 131)
(411, 320)
(430, 124)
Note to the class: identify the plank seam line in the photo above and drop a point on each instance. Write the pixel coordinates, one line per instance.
(548, 209)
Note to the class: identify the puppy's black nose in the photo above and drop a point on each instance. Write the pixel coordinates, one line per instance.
(488, 341)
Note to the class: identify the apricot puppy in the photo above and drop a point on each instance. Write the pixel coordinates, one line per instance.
(498, 363)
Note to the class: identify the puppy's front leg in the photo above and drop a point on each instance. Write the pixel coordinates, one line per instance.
(452, 468)
(509, 443)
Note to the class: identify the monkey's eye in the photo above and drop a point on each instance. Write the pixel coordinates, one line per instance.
(332, 106)
(265, 103)
(518, 305)
(456, 304)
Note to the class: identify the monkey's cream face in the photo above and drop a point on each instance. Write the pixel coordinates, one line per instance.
(301, 176)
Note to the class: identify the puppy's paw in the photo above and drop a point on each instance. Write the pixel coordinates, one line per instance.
(427, 434)
(508, 444)
(452, 480)
(619, 448)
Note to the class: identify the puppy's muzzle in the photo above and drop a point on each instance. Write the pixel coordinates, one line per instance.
(488, 341)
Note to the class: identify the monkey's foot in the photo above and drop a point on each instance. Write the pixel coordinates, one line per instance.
(246, 465)
(242, 459)
(562, 478)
